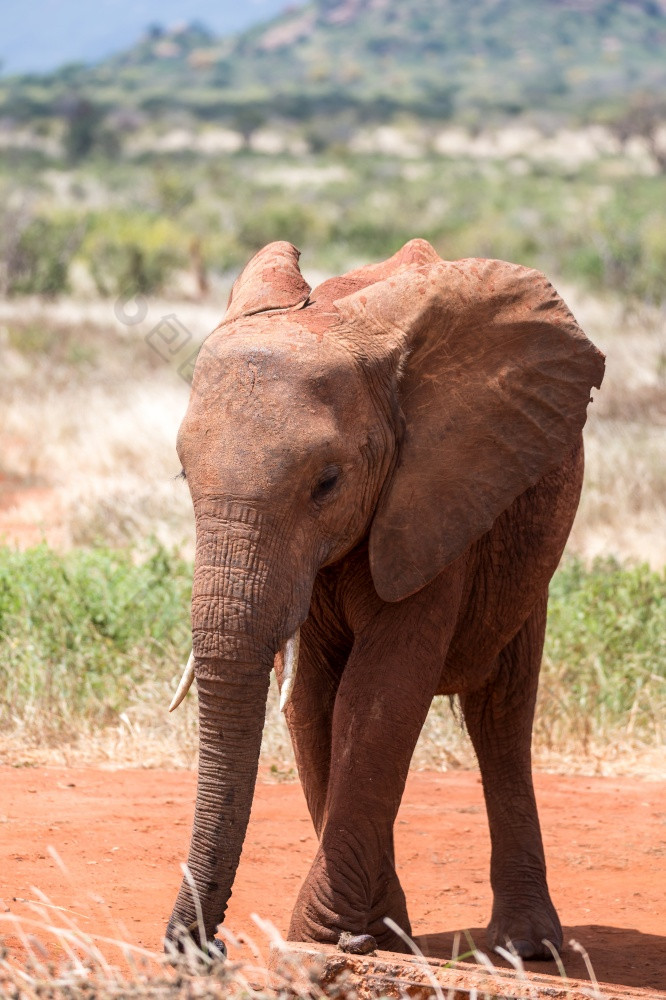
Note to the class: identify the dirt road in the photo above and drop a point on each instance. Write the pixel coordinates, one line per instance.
(123, 834)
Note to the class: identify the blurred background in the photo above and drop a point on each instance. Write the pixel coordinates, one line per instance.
(147, 150)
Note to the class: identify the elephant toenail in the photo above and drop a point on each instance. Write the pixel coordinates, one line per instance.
(524, 949)
(357, 944)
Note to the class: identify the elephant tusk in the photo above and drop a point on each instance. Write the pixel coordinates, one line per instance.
(185, 683)
(290, 660)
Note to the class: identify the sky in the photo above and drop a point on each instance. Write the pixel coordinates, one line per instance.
(40, 35)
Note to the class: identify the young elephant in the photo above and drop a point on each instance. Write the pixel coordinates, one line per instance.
(390, 464)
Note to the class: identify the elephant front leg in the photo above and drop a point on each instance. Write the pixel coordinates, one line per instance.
(388, 901)
(499, 720)
(382, 702)
(310, 720)
(309, 714)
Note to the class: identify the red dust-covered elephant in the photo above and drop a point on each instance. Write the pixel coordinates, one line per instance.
(384, 471)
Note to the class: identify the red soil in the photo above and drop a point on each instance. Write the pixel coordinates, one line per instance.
(123, 834)
(29, 513)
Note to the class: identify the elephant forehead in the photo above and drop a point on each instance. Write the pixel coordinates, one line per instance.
(260, 407)
(259, 365)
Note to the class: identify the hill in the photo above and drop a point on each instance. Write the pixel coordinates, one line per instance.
(472, 60)
(454, 57)
(41, 36)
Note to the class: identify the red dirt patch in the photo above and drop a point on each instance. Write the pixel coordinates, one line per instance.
(29, 512)
(123, 834)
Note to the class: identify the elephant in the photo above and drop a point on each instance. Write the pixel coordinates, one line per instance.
(384, 472)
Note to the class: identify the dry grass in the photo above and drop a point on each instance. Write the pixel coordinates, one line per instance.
(90, 440)
(49, 955)
(623, 506)
(145, 735)
(89, 415)
(52, 956)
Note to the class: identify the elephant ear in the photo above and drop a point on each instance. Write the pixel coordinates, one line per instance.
(271, 280)
(494, 378)
(413, 254)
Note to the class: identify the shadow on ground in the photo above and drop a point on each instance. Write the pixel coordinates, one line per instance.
(619, 955)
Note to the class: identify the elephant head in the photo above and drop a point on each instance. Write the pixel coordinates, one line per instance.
(407, 404)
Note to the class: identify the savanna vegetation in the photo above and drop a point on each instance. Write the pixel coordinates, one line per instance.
(87, 635)
(132, 191)
(135, 228)
(534, 133)
(92, 398)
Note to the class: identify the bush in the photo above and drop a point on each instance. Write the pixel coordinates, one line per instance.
(605, 235)
(37, 260)
(605, 658)
(83, 119)
(79, 631)
(623, 244)
(130, 254)
(278, 219)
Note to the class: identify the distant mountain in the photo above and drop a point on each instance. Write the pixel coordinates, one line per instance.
(469, 59)
(44, 34)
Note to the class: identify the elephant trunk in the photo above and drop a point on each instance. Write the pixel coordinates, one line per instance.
(232, 706)
(238, 621)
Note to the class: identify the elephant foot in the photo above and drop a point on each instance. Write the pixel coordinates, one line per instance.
(181, 940)
(390, 902)
(377, 937)
(327, 916)
(386, 938)
(524, 930)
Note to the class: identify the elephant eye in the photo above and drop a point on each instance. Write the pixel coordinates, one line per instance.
(326, 484)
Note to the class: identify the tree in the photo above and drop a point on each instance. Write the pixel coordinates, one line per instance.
(645, 118)
(247, 119)
(83, 119)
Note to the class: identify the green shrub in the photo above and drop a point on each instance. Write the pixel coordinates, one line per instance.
(130, 254)
(82, 128)
(79, 631)
(279, 218)
(574, 225)
(622, 243)
(604, 666)
(38, 261)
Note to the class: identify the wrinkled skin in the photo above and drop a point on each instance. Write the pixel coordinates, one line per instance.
(392, 462)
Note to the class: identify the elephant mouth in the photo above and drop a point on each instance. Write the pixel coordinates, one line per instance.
(184, 684)
(289, 653)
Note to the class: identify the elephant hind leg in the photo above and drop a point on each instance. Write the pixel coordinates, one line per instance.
(499, 720)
